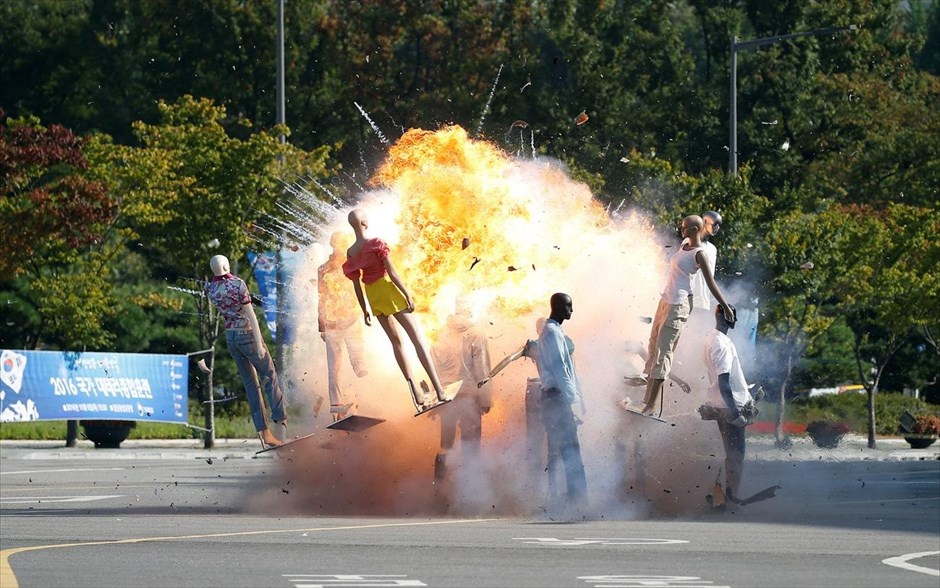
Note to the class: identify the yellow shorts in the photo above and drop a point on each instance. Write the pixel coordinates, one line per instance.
(384, 298)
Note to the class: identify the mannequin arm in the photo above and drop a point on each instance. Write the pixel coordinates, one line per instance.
(712, 285)
(501, 365)
(362, 302)
(249, 313)
(393, 275)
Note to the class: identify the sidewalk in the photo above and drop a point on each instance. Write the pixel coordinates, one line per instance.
(851, 448)
(759, 448)
(134, 449)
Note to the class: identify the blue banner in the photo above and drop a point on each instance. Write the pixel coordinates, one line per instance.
(63, 385)
(269, 287)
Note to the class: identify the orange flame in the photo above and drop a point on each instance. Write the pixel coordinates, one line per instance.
(454, 188)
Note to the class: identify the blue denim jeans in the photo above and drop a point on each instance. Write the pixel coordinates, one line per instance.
(242, 347)
(562, 433)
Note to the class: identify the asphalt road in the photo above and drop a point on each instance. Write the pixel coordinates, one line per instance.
(179, 520)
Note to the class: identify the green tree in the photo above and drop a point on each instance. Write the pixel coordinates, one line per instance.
(53, 256)
(895, 287)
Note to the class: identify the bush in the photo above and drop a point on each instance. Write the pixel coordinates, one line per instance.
(826, 434)
(852, 409)
(926, 424)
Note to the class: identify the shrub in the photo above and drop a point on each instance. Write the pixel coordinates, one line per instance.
(926, 424)
(826, 434)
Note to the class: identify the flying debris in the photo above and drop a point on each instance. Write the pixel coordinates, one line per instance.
(476, 260)
(808, 265)
(768, 122)
(465, 243)
(511, 269)
(785, 146)
(624, 160)
(581, 118)
(527, 84)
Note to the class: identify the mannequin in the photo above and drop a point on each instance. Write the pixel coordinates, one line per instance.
(337, 322)
(243, 338)
(675, 305)
(375, 281)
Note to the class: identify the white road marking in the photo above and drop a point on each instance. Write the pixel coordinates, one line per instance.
(54, 499)
(647, 581)
(901, 561)
(324, 580)
(579, 541)
(63, 470)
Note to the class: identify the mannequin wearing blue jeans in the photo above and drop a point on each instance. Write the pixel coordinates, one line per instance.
(243, 336)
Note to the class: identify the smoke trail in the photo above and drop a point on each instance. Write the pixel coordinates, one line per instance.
(486, 108)
(372, 124)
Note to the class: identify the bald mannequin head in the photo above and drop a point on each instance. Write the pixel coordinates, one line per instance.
(219, 265)
(562, 307)
(712, 222)
(692, 225)
(358, 221)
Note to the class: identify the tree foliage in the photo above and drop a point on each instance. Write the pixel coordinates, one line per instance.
(172, 147)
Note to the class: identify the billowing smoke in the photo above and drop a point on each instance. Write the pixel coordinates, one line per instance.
(464, 219)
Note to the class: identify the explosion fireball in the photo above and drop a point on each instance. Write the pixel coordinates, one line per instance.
(463, 218)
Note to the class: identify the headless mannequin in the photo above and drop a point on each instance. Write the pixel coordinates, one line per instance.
(692, 233)
(360, 225)
(220, 267)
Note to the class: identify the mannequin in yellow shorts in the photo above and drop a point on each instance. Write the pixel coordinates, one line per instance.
(376, 281)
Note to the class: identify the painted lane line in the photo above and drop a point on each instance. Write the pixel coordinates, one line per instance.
(32, 488)
(901, 561)
(647, 581)
(54, 499)
(349, 580)
(62, 470)
(8, 578)
(580, 541)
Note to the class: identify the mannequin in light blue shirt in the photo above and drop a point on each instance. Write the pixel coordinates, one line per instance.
(560, 390)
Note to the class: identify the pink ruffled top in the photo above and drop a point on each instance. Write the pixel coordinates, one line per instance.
(369, 263)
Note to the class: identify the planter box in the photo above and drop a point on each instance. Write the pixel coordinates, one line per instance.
(107, 434)
(920, 441)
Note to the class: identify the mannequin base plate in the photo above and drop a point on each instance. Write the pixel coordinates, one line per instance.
(431, 406)
(355, 423)
(284, 444)
(648, 416)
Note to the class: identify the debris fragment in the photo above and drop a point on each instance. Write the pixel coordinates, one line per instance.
(209, 460)
(581, 118)
(624, 160)
(465, 243)
(476, 260)
(807, 265)
(511, 268)
(785, 146)
(646, 319)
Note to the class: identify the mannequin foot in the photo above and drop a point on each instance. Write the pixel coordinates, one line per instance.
(420, 398)
(449, 391)
(268, 439)
(339, 410)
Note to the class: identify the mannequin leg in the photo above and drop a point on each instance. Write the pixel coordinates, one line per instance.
(334, 358)
(653, 390)
(396, 341)
(236, 347)
(410, 325)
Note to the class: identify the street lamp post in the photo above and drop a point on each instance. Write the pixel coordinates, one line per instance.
(751, 44)
(281, 119)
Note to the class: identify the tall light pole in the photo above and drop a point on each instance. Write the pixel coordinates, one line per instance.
(278, 260)
(751, 44)
(280, 66)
